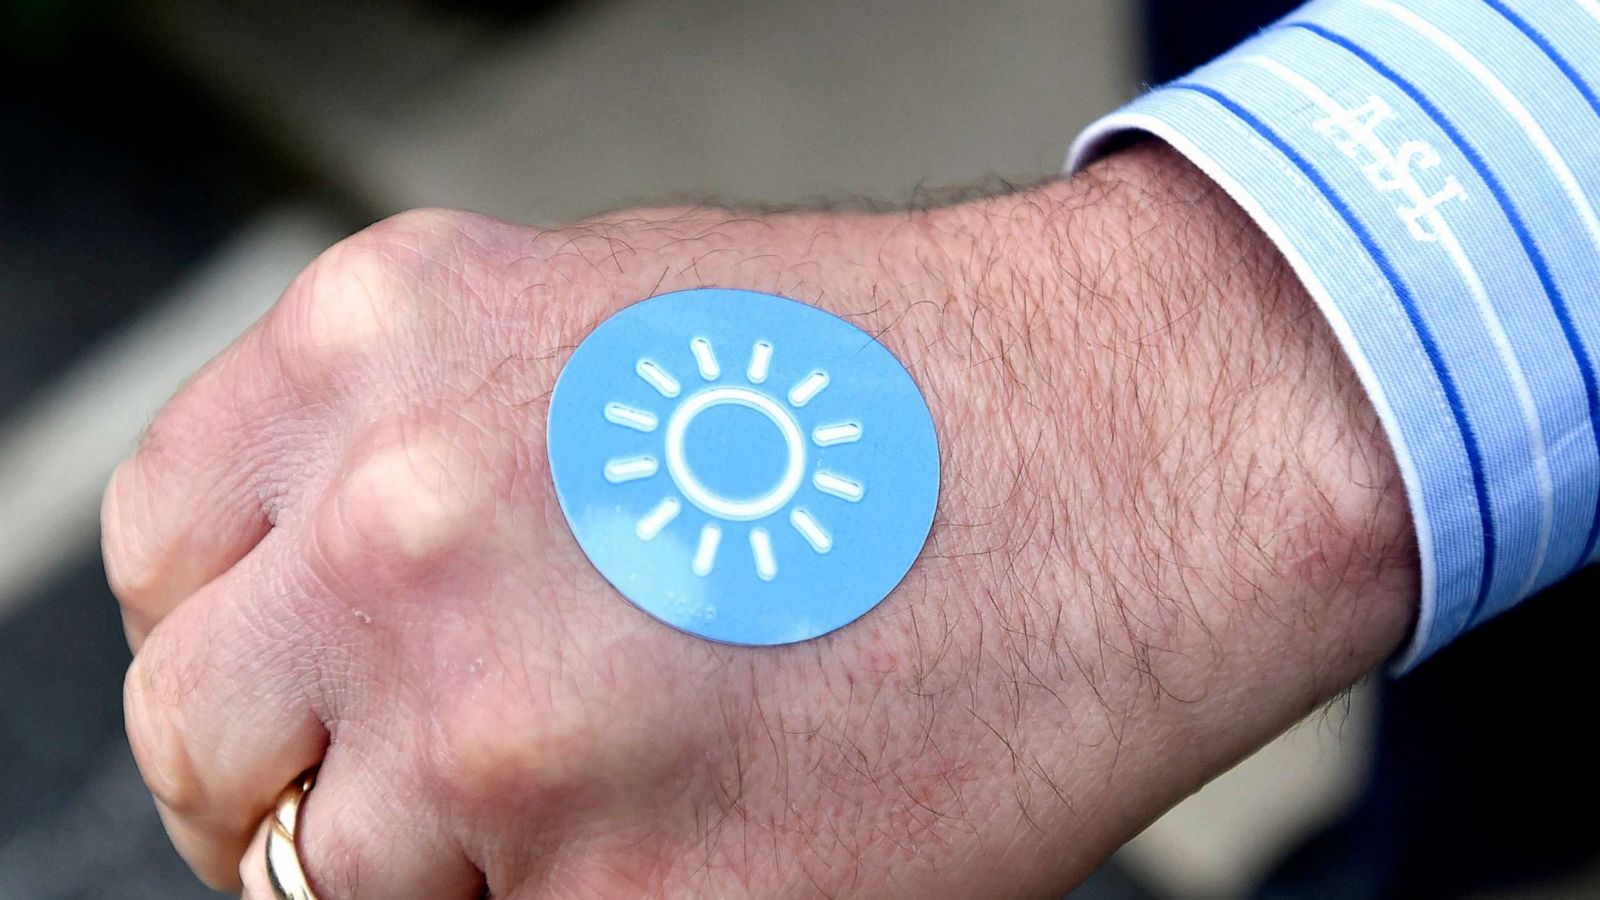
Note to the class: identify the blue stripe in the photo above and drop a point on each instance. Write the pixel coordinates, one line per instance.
(1543, 43)
(1557, 301)
(1407, 302)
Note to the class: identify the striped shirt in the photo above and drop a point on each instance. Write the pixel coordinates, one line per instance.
(1431, 171)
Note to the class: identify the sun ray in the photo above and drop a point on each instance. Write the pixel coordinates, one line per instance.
(836, 433)
(807, 388)
(705, 358)
(761, 548)
(631, 417)
(838, 485)
(760, 360)
(810, 529)
(657, 519)
(630, 468)
(705, 554)
(658, 378)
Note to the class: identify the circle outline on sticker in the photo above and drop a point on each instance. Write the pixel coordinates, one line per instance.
(697, 493)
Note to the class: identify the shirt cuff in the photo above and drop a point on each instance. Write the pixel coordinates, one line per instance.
(1430, 172)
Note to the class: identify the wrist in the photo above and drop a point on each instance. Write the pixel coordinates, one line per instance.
(1212, 499)
(1246, 426)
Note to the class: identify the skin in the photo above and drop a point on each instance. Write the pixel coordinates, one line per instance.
(1169, 527)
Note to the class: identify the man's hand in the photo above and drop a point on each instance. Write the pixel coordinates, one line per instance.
(1169, 527)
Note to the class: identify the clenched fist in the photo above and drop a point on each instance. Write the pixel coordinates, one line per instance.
(1168, 526)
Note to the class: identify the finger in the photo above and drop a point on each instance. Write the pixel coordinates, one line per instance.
(362, 836)
(192, 499)
(253, 867)
(199, 849)
(188, 504)
(220, 717)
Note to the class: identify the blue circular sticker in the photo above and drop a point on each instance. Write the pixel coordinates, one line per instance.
(742, 466)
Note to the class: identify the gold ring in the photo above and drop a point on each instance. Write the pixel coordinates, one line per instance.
(284, 873)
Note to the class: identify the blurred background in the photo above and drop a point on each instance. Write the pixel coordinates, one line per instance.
(167, 166)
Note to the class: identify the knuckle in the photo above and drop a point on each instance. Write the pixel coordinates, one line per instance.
(129, 569)
(488, 756)
(424, 228)
(347, 302)
(404, 503)
(367, 290)
(155, 732)
(133, 542)
(153, 545)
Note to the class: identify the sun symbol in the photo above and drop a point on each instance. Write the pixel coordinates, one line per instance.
(728, 513)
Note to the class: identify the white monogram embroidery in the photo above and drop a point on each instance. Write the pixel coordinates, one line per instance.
(1354, 131)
